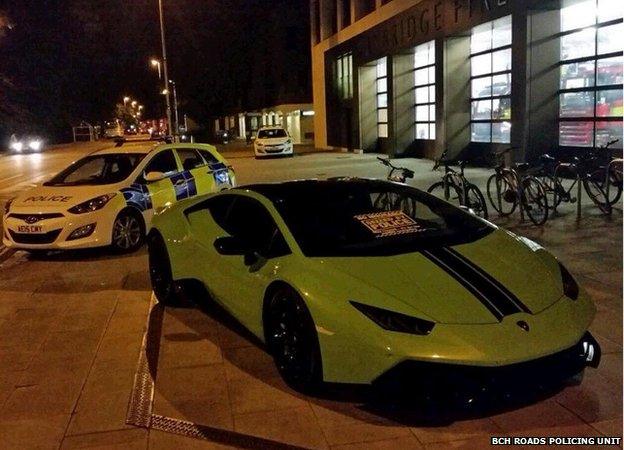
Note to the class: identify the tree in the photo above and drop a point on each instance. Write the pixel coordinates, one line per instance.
(127, 114)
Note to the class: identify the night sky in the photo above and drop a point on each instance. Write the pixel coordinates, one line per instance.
(66, 60)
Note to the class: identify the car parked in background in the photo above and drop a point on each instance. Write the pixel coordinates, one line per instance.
(273, 140)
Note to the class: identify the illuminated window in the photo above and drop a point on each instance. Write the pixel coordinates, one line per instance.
(590, 81)
(490, 82)
(382, 98)
(343, 70)
(424, 83)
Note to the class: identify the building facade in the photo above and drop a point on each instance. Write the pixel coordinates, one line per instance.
(412, 78)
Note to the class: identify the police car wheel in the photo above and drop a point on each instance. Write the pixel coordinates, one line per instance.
(128, 232)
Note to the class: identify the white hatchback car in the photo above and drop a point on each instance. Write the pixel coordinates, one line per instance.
(110, 196)
(273, 141)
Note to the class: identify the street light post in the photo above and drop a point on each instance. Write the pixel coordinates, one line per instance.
(166, 73)
(175, 106)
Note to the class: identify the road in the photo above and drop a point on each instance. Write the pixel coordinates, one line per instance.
(72, 324)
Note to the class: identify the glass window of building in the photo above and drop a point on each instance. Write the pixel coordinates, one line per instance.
(590, 82)
(343, 76)
(382, 98)
(424, 82)
(490, 82)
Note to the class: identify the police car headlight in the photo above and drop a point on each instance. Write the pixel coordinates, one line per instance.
(7, 206)
(91, 205)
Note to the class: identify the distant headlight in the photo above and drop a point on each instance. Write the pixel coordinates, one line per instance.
(91, 205)
(394, 321)
(35, 145)
(570, 286)
(7, 206)
(17, 146)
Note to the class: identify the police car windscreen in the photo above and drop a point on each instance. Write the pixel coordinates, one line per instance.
(272, 133)
(98, 169)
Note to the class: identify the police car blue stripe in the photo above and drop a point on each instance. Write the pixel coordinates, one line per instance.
(181, 191)
(137, 195)
(217, 166)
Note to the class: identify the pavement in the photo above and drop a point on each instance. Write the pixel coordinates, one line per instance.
(80, 335)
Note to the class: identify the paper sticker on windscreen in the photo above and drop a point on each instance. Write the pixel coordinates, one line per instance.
(389, 223)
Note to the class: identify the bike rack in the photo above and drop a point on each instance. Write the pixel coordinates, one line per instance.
(608, 172)
(579, 188)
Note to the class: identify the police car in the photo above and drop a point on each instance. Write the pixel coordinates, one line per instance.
(109, 197)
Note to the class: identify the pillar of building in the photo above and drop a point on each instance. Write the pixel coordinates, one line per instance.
(457, 99)
(329, 21)
(543, 132)
(362, 8)
(368, 107)
(403, 102)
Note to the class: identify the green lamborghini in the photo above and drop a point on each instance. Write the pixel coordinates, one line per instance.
(361, 281)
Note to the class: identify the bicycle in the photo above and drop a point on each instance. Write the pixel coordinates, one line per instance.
(391, 201)
(455, 188)
(509, 187)
(610, 171)
(585, 176)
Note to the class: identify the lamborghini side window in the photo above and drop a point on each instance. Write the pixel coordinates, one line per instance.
(219, 209)
(252, 223)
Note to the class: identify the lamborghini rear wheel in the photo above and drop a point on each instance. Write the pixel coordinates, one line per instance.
(292, 340)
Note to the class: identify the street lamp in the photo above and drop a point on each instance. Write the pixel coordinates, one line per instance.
(164, 61)
(126, 100)
(175, 106)
(156, 63)
(134, 103)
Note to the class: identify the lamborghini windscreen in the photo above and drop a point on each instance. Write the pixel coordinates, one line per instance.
(368, 219)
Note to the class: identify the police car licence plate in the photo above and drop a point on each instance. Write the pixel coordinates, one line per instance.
(30, 229)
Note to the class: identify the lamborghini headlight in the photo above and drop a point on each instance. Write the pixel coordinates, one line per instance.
(91, 205)
(394, 321)
(570, 287)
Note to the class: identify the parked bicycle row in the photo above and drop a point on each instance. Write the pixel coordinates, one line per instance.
(535, 191)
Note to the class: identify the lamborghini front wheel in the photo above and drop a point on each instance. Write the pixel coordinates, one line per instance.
(292, 340)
